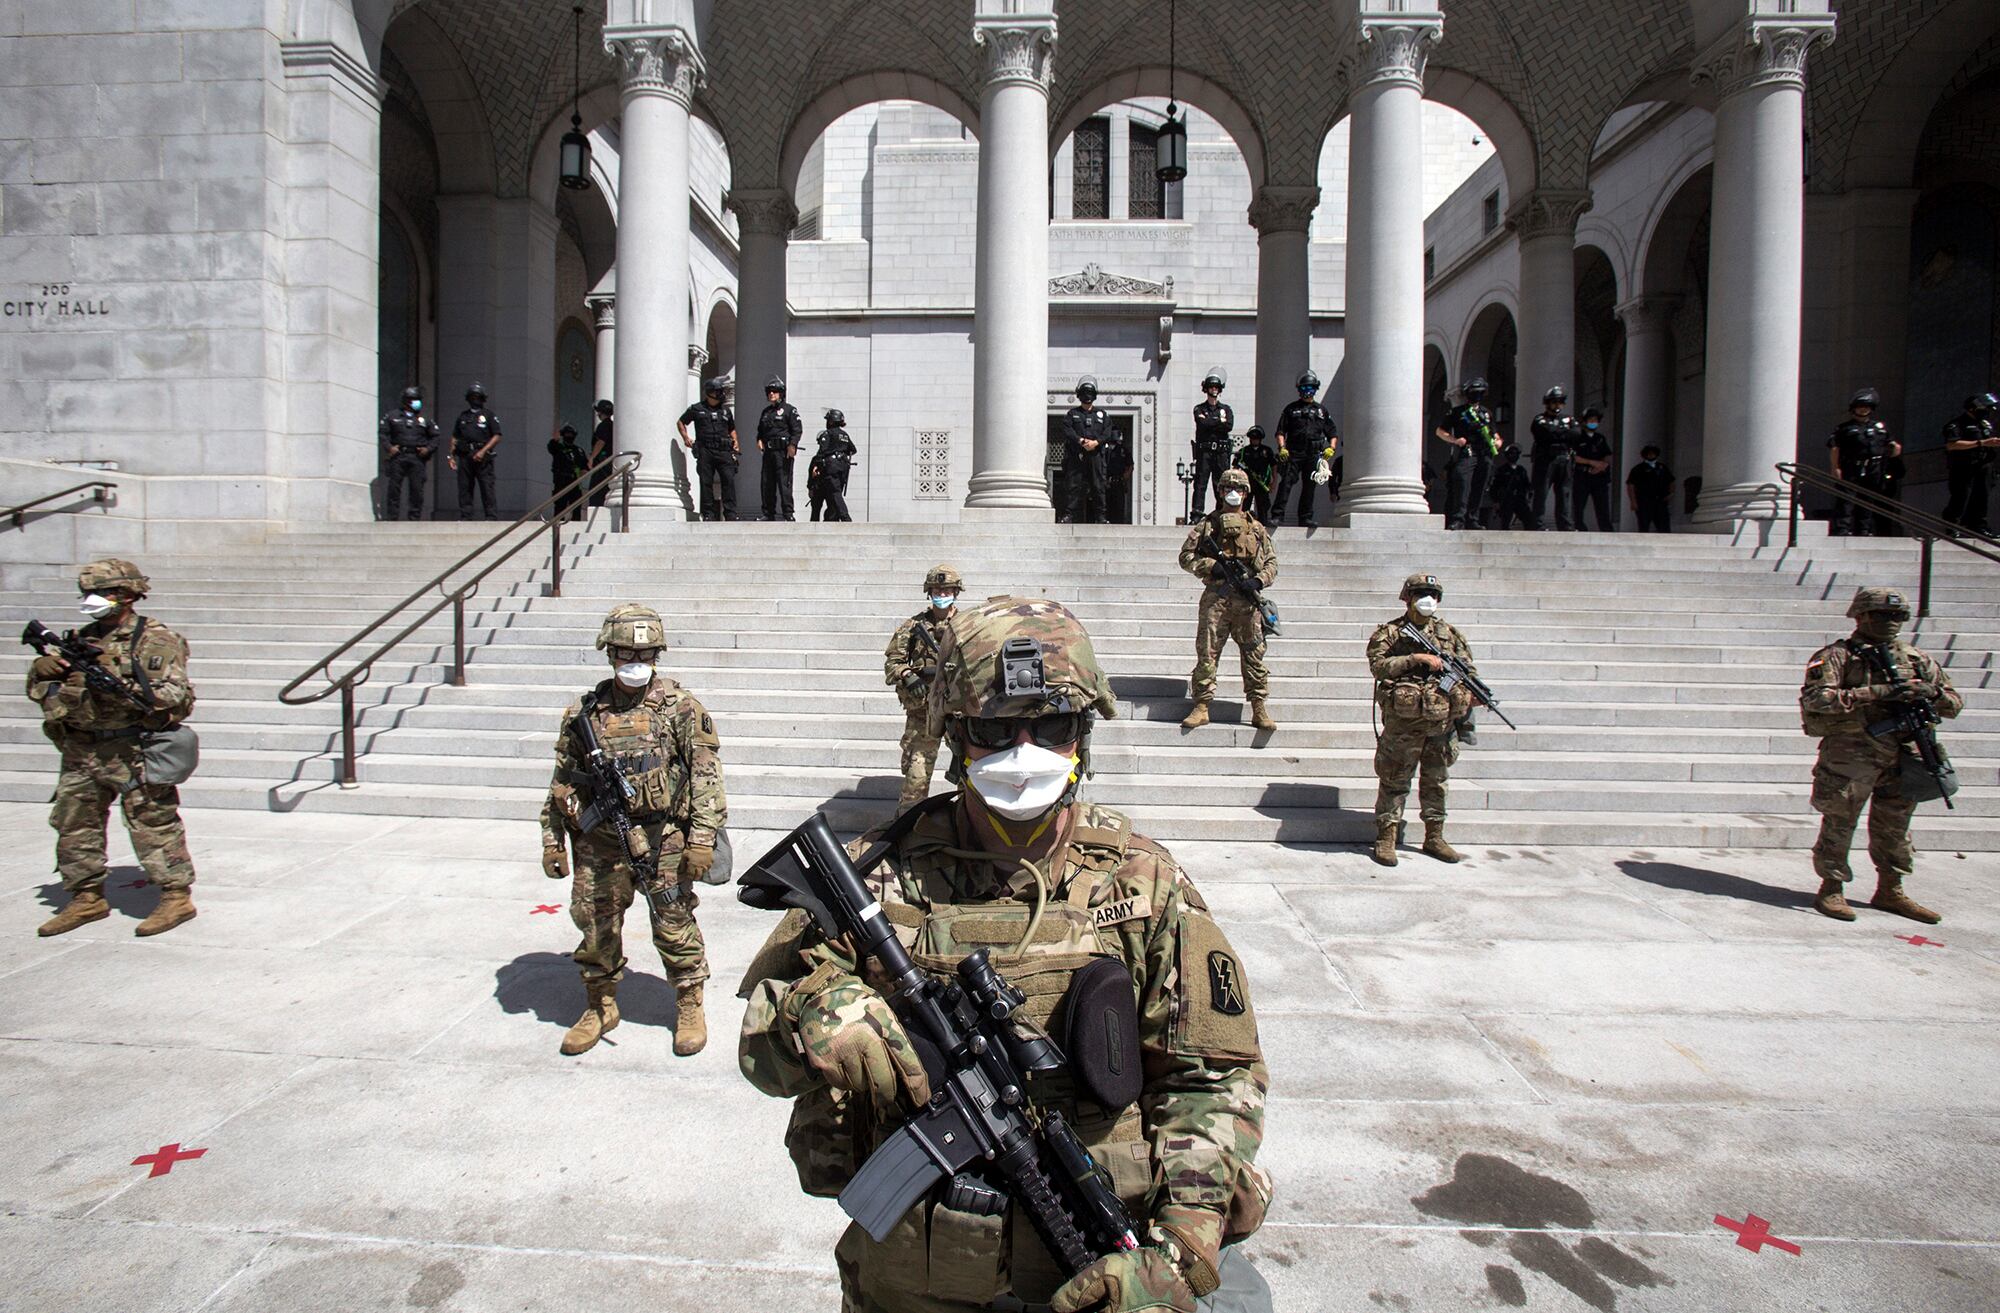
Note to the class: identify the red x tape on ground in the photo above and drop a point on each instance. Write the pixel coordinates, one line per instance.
(1918, 941)
(1753, 1233)
(546, 907)
(164, 1158)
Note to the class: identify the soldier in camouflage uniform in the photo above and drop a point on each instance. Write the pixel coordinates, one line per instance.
(1229, 530)
(1016, 864)
(102, 760)
(1850, 685)
(1418, 721)
(666, 745)
(908, 665)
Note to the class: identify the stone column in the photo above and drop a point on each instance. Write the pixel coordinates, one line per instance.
(1545, 223)
(1755, 265)
(1118, 167)
(1649, 377)
(604, 314)
(660, 69)
(1282, 217)
(1384, 381)
(764, 223)
(1010, 334)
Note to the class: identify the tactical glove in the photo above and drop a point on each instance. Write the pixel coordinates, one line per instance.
(555, 862)
(48, 668)
(852, 1039)
(1127, 1283)
(696, 860)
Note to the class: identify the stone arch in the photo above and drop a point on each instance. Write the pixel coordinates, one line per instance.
(1600, 338)
(1889, 125)
(811, 122)
(466, 159)
(1151, 81)
(718, 335)
(1682, 203)
(1599, 232)
(1497, 118)
(1437, 377)
(1484, 353)
(598, 107)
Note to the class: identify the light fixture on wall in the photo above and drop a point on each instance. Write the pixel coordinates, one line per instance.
(1171, 146)
(576, 146)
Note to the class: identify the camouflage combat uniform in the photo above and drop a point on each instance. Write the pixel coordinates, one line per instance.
(1226, 614)
(102, 761)
(1845, 691)
(912, 650)
(1418, 722)
(1182, 1157)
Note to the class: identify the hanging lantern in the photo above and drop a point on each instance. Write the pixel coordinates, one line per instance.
(575, 156)
(1172, 158)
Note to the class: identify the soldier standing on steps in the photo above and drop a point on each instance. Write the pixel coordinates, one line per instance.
(666, 745)
(716, 450)
(1418, 720)
(1231, 531)
(909, 665)
(778, 433)
(1849, 686)
(102, 759)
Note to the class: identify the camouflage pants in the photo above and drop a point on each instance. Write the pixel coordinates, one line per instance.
(920, 750)
(91, 780)
(1225, 616)
(1405, 746)
(1851, 775)
(600, 894)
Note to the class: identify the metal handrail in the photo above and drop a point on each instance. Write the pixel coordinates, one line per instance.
(1926, 528)
(620, 468)
(104, 489)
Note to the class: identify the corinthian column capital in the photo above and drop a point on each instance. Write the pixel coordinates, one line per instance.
(1020, 43)
(1548, 212)
(657, 62)
(1283, 209)
(1768, 50)
(764, 210)
(1393, 40)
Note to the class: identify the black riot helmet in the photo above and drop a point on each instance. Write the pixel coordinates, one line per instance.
(1255, 433)
(716, 388)
(476, 394)
(1981, 402)
(1868, 397)
(603, 408)
(1308, 383)
(1474, 388)
(775, 384)
(836, 419)
(567, 431)
(1555, 394)
(1086, 388)
(1213, 379)
(412, 394)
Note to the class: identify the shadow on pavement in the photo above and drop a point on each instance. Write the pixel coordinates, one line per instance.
(1310, 813)
(137, 903)
(1718, 884)
(547, 985)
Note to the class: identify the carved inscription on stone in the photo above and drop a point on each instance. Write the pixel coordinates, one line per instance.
(45, 304)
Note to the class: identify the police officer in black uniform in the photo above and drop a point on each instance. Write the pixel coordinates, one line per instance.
(567, 463)
(474, 438)
(409, 440)
(1971, 448)
(1861, 451)
(1509, 493)
(1261, 464)
(1305, 433)
(778, 434)
(716, 450)
(1554, 460)
(826, 476)
(1213, 420)
(1593, 472)
(1087, 451)
(602, 446)
(1468, 430)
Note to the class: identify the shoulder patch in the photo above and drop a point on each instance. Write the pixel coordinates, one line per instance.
(1225, 984)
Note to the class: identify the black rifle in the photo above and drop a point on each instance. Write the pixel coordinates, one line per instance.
(929, 672)
(1912, 715)
(1236, 577)
(1455, 673)
(86, 656)
(980, 1132)
(611, 799)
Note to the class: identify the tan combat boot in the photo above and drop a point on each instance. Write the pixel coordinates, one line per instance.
(1260, 718)
(690, 1027)
(599, 1015)
(1435, 845)
(1889, 897)
(1385, 844)
(1197, 717)
(82, 910)
(1832, 901)
(176, 906)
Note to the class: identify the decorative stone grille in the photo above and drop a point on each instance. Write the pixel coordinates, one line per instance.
(930, 454)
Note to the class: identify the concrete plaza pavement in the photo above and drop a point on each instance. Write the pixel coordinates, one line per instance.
(1534, 1080)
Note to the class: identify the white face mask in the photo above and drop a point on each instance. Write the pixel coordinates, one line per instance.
(1233, 497)
(1022, 782)
(943, 603)
(96, 606)
(1426, 606)
(635, 674)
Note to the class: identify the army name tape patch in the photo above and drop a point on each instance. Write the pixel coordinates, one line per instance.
(1125, 909)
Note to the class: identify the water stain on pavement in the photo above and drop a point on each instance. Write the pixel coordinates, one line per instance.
(435, 1284)
(1489, 1191)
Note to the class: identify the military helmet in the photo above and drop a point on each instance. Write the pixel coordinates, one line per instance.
(477, 390)
(1219, 377)
(1865, 397)
(1236, 479)
(1557, 393)
(1981, 401)
(835, 418)
(715, 387)
(1017, 657)
(1421, 583)
(112, 573)
(602, 407)
(1878, 599)
(633, 625)
(412, 394)
(1086, 387)
(942, 576)
(775, 384)
(1308, 382)
(1474, 387)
